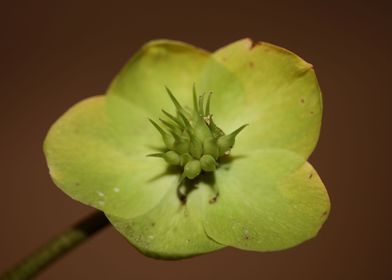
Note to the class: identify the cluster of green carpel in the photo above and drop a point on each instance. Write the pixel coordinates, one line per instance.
(192, 139)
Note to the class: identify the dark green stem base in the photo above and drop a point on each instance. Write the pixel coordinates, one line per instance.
(57, 247)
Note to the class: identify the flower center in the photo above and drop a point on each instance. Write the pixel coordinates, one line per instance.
(192, 140)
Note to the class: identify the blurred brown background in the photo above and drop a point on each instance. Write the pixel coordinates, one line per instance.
(55, 54)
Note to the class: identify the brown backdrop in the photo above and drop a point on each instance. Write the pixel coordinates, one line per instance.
(55, 54)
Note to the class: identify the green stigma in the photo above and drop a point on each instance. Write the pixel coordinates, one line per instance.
(192, 140)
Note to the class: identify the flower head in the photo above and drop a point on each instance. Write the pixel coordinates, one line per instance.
(247, 188)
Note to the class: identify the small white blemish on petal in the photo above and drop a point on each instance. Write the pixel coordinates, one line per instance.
(235, 226)
(100, 193)
(101, 202)
(116, 189)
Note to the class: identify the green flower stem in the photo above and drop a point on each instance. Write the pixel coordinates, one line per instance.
(57, 247)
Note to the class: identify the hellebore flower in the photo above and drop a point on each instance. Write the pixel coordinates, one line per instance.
(198, 179)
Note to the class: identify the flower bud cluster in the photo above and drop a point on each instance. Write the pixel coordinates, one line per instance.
(193, 141)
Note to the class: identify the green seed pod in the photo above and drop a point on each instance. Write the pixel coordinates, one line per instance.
(185, 135)
(192, 169)
(181, 144)
(166, 137)
(215, 130)
(196, 147)
(185, 158)
(226, 142)
(201, 129)
(172, 158)
(193, 140)
(210, 147)
(208, 163)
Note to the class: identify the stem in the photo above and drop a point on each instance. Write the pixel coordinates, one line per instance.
(57, 247)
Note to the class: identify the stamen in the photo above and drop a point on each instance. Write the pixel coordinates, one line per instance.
(201, 102)
(161, 131)
(195, 107)
(160, 155)
(174, 100)
(173, 118)
(169, 125)
(185, 120)
(208, 104)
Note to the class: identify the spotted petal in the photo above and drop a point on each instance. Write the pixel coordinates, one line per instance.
(172, 230)
(97, 155)
(268, 200)
(270, 88)
(159, 63)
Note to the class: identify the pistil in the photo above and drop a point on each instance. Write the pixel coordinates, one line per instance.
(192, 140)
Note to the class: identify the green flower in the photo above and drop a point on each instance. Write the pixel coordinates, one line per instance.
(251, 188)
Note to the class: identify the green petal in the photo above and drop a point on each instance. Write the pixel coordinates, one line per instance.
(284, 205)
(270, 88)
(160, 63)
(227, 100)
(102, 162)
(171, 230)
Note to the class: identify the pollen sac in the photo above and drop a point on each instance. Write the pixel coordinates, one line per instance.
(192, 140)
